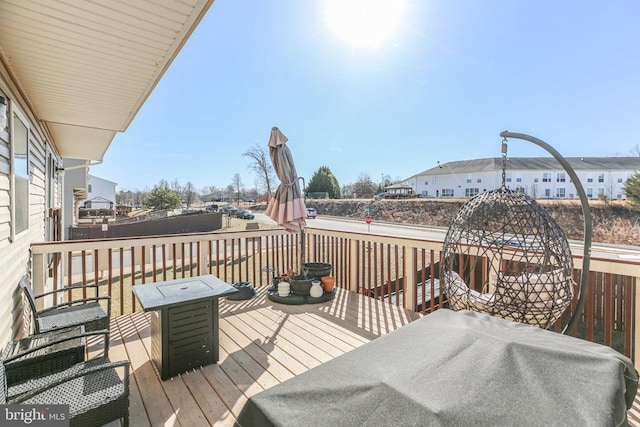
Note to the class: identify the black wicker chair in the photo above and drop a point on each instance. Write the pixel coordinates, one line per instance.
(86, 311)
(48, 356)
(97, 391)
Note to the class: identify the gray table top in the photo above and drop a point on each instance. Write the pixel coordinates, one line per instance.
(163, 295)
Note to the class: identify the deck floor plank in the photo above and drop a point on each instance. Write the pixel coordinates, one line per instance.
(297, 358)
(118, 351)
(186, 409)
(157, 405)
(243, 381)
(263, 351)
(248, 363)
(297, 330)
(229, 393)
(202, 394)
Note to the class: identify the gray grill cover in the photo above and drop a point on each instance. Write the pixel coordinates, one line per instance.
(457, 369)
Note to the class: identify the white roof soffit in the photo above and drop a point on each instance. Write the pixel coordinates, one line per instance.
(86, 67)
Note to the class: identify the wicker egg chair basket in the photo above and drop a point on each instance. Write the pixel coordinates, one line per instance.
(504, 255)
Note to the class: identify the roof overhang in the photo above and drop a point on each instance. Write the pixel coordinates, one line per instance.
(86, 68)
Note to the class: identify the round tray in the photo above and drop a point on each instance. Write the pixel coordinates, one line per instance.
(300, 299)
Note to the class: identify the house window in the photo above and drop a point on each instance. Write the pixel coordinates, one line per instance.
(470, 192)
(469, 178)
(600, 191)
(620, 180)
(535, 179)
(590, 193)
(479, 180)
(546, 177)
(89, 188)
(447, 192)
(508, 177)
(547, 193)
(426, 183)
(600, 177)
(518, 178)
(560, 193)
(434, 180)
(561, 177)
(20, 169)
(589, 178)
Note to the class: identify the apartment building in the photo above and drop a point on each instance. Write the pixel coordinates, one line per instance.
(539, 177)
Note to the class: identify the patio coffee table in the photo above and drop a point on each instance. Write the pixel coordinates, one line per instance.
(47, 360)
(184, 321)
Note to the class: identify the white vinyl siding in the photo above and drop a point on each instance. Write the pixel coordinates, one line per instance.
(15, 251)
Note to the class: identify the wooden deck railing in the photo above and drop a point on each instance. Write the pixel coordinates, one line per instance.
(392, 269)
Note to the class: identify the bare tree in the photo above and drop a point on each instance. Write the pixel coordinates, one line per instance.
(189, 193)
(261, 165)
(237, 186)
(229, 191)
(163, 184)
(364, 187)
(177, 188)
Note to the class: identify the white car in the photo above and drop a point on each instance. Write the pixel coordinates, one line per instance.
(311, 213)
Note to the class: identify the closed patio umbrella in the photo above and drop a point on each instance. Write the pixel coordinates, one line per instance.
(286, 207)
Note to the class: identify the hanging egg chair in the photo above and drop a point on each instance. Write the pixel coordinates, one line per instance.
(504, 255)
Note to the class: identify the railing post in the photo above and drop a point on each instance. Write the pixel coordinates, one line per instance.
(203, 265)
(410, 278)
(38, 278)
(354, 268)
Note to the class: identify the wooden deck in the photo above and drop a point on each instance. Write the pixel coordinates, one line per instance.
(261, 344)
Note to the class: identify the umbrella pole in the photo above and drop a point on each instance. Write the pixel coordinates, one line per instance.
(302, 248)
(302, 236)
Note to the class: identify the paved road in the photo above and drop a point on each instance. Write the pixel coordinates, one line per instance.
(376, 227)
(438, 233)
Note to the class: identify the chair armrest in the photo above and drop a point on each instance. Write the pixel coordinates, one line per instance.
(69, 288)
(61, 340)
(108, 365)
(70, 303)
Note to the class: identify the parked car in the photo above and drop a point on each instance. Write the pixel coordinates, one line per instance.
(229, 210)
(212, 208)
(311, 213)
(244, 214)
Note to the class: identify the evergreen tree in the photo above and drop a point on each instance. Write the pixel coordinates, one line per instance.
(324, 181)
(631, 188)
(162, 198)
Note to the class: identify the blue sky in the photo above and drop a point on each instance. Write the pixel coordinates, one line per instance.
(434, 81)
